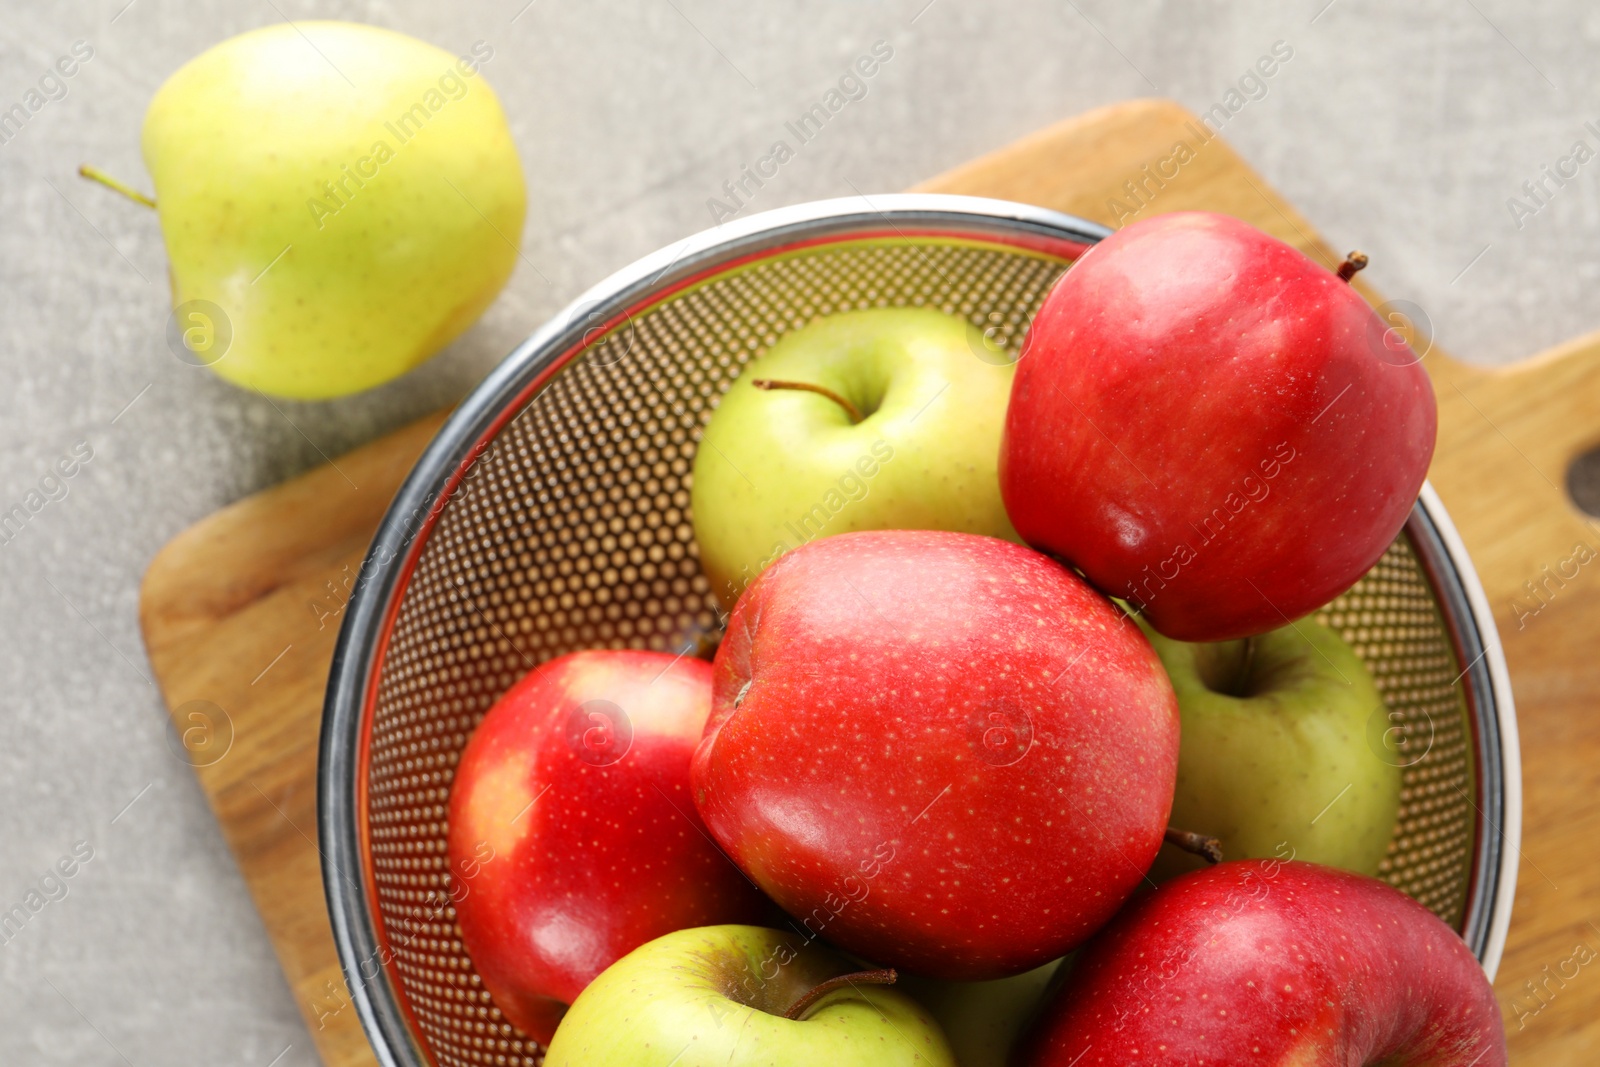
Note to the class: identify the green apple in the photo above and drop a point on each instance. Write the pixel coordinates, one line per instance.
(901, 432)
(1275, 754)
(730, 996)
(340, 199)
(982, 1020)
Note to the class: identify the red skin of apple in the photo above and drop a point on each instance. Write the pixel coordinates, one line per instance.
(1214, 427)
(949, 754)
(565, 864)
(1281, 964)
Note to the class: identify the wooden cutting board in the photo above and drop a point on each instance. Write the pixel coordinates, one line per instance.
(241, 610)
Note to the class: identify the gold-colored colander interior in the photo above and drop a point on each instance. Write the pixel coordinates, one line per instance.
(573, 531)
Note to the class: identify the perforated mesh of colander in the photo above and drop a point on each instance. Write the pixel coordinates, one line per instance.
(573, 531)
(1393, 622)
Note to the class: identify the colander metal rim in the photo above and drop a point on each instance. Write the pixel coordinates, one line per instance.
(397, 545)
(1492, 711)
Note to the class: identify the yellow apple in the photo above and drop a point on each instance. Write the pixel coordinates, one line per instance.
(1276, 757)
(338, 202)
(882, 419)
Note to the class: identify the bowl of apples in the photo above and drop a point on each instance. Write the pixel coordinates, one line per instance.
(929, 630)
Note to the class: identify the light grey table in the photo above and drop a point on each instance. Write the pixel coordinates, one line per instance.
(1404, 133)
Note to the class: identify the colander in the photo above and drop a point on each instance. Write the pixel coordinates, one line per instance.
(551, 513)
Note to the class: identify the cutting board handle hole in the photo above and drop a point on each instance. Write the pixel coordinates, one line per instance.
(1583, 481)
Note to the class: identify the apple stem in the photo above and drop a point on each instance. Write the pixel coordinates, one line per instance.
(1352, 263)
(1247, 658)
(95, 174)
(798, 1009)
(1207, 848)
(821, 390)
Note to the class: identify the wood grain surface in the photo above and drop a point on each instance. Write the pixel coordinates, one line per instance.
(242, 609)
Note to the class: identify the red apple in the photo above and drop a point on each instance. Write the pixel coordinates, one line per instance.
(572, 835)
(940, 751)
(1281, 964)
(1213, 427)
